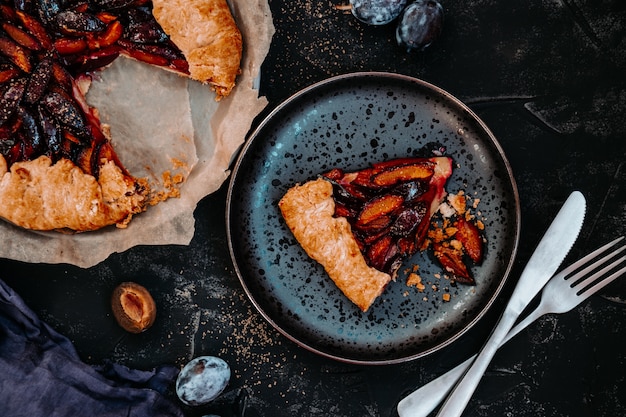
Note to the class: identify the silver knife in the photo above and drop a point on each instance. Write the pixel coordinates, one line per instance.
(550, 252)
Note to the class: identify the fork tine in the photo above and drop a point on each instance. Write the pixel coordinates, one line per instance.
(567, 272)
(579, 275)
(586, 285)
(603, 283)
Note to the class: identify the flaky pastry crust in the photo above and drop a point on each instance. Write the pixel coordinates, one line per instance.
(308, 210)
(206, 33)
(40, 195)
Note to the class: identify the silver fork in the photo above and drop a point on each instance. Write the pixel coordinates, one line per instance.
(562, 293)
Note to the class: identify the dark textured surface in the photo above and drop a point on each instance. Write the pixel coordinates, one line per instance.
(547, 78)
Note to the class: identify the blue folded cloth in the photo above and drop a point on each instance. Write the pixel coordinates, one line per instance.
(41, 374)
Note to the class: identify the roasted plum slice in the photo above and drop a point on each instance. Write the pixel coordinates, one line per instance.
(394, 175)
(22, 37)
(71, 22)
(452, 261)
(468, 234)
(18, 55)
(411, 190)
(379, 206)
(35, 28)
(407, 221)
(10, 98)
(38, 81)
(389, 206)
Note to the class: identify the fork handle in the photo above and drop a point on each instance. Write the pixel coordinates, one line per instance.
(421, 402)
(463, 391)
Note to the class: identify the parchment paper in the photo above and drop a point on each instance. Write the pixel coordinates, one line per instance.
(180, 129)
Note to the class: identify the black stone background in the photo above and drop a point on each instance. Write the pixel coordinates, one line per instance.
(547, 77)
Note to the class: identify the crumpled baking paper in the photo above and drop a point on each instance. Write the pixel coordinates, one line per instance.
(161, 123)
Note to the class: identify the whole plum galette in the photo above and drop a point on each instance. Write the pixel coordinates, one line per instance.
(58, 168)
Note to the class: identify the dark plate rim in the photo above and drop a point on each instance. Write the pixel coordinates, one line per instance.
(381, 75)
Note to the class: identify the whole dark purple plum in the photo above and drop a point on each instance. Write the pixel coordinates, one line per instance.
(202, 380)
(420, 25)
(377, 12)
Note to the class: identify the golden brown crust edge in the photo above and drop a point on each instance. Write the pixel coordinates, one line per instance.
(308, 210)
(39, 195)
(208, 36)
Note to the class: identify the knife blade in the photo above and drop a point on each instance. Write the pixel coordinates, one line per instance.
(549, 254)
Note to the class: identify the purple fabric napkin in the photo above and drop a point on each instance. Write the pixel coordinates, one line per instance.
(42, 375)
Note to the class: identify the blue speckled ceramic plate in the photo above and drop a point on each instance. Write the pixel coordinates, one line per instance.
(349, 122)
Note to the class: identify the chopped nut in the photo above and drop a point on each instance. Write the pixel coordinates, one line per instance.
(458, 202)
(415, 280)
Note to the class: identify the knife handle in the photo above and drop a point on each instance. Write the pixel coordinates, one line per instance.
(421, 402)
(463, 391)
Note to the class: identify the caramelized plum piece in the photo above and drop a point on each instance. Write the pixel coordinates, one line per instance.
(373, 229)
(67, 114)
(61, 77)
(35, 28)
(38, 81)
(468, 234)
(70, 22)
(344, 211)
(17, 54)
(147, 57)
(70, 46)
(7, 13)
(51, 135)
(362, 179)
(30, 128)
(348, 195)
(47, 10)
(381, 252)
(411, 190)
(407, 246)
(141, 27)
(7, 73)
(379, 206)
(94, 60)
(164, 55)
(395, 175)
(108, 37)
(10, 99)
(452, 261)
(407, 221)
(334, 175)
(21, 37)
